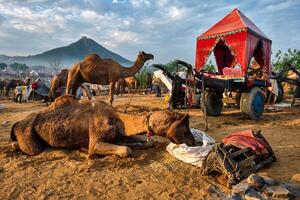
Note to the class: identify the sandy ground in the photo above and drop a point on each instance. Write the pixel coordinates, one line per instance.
(148, 174)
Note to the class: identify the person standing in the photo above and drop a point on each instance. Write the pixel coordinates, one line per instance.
(156, 84)
(18, 93)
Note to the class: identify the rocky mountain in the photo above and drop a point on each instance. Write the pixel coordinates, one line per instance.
(67, 55)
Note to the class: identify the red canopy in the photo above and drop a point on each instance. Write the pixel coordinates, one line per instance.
(234, 40)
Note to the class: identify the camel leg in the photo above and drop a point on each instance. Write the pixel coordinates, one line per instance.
(73, 76)
(88, 94)
(75, 88)
(137, 141)
(52, 92)
(111, 92)
(103, 148)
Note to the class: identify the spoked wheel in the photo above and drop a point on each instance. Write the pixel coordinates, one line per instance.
(213, 103)
(252, 103)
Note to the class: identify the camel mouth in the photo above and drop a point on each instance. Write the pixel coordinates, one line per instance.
(150, 57)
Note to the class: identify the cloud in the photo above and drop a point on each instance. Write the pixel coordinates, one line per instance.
(139, 3)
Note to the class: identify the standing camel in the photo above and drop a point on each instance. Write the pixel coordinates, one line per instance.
(132, 83)
(59, 82)
(96, 70)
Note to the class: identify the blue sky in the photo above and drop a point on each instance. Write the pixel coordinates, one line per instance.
(166, 28)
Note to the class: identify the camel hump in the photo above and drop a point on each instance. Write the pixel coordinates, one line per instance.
(64, 71)
(92, 57)
(63, 101)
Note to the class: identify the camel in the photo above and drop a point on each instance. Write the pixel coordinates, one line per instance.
(96, 70)
(11, 85)
(120, 86)
(59, 81)
(2, 85)
(73, 123)
(132, 83)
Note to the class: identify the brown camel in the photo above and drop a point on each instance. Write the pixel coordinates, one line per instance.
(73, 123)
(96, 70)
(59, 81)
(132, 83)
(120, 86)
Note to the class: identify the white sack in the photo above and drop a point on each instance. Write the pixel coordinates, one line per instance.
(194, 155)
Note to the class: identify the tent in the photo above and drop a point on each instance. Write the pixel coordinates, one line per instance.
(40, 93)
(234, 40)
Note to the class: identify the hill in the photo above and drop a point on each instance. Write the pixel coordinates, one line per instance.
(67, 55)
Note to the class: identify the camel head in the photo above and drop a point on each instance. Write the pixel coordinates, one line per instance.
(145, 56)
(179, 132)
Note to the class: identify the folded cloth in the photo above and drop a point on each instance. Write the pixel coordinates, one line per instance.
(244, 139)
(194, 155)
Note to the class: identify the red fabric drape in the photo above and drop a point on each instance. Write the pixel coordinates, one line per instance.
(267, 49)
(252, 42)
(203, 49)
(238, 44)
(242, 45)
(223, 56)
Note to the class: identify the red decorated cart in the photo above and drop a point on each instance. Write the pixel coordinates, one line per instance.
(242, 52)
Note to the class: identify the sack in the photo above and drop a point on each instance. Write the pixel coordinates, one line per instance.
(194, 155)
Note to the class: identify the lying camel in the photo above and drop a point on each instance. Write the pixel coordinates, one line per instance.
(70, 123)
(96, 70)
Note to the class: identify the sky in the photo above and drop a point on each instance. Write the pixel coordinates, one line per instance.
(165, 28)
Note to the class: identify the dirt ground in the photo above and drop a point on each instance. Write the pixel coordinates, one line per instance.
(148, 174)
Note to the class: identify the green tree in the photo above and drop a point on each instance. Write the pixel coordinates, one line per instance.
(173, 67)
(142, 76)
(283, 59)
(19, 66)
(3, 66)
(209, 67)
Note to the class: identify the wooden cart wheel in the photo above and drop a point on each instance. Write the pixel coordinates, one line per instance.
(252, 103)
(213, 103)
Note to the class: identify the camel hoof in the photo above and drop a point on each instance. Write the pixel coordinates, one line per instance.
(125, 152)
(15, 145)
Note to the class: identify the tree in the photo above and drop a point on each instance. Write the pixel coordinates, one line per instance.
(173, 67)
(55, 63)
(209, 67)
(142, 76)
(283, 59)
(19, 66)
(3, 66)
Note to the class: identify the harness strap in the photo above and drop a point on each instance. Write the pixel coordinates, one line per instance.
(149, 130)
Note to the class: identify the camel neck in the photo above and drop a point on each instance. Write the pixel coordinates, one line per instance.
(134, 124)
(131, 71)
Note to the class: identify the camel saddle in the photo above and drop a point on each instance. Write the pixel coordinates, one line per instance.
(239, 155)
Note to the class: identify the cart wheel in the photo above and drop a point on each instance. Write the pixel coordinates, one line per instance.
(252, 103)
(280, 93)
(213, 103)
